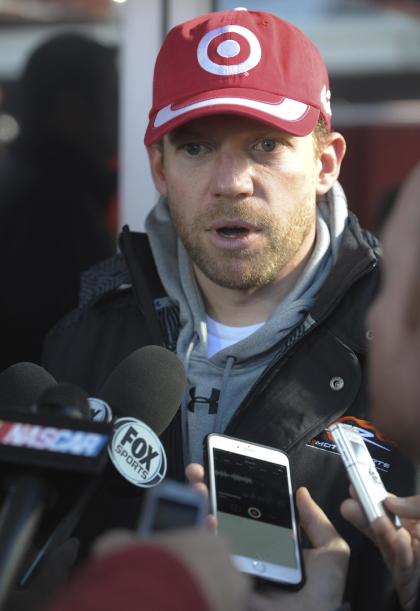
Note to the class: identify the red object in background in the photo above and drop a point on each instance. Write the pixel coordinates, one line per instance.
(378, 158)
(112, 212)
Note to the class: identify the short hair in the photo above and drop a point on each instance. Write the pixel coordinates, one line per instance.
(321, 135)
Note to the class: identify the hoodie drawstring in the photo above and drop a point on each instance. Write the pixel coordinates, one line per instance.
(230, 362)
(218, 423)
(184, 416)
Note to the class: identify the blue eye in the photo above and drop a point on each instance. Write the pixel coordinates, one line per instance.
(268, 145)
(194, 148)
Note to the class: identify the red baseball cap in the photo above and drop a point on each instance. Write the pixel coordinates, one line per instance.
(239, 62)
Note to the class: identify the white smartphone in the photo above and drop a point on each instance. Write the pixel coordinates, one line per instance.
(361, 470)
(252, 498)
(171, 505)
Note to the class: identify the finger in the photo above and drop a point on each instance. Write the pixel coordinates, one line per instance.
(352, 511)
(384, 534)
(212, 522)
(201, 488)
(404, 554)
(194, 473)
(315, 523)
(404, 568)
(405, 507)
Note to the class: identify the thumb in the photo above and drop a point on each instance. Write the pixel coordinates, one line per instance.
(405, 507)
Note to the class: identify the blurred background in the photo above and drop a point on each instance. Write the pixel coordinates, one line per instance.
(371, 47)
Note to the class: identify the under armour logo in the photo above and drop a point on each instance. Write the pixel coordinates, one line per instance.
(212, 401)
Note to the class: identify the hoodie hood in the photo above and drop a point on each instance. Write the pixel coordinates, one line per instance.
(177, 277)
(217, 385)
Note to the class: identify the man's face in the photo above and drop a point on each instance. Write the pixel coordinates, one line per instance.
(242, 196)
(394, 320)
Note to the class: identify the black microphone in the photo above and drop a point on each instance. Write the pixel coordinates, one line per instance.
(148, 384)
(147, 376)
(141, 396)
(144, 391)
(53, 436)
(65, 399)
(22, 383)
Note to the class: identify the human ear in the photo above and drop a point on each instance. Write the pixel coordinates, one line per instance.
(330, 160)
(157, 168)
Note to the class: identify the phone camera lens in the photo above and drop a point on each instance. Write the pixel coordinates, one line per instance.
(254, 512)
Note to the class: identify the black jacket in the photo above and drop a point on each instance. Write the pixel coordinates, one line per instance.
(321, 378)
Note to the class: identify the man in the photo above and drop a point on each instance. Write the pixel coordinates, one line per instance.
(263, 276)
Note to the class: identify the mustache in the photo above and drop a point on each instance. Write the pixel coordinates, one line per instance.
(244, 210)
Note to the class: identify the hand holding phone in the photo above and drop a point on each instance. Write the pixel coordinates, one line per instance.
(361, 470)
(252, 498)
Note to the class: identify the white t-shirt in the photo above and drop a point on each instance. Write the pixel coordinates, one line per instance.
(221, 336)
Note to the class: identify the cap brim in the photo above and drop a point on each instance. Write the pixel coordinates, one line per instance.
(296, 118)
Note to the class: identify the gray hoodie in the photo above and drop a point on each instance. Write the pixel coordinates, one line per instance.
(217, 385)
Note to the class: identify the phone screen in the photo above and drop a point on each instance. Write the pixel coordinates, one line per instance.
(253, 508)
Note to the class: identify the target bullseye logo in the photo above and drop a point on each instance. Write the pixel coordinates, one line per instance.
(218, 48)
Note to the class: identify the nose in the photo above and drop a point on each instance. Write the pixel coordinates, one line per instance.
(232, 176)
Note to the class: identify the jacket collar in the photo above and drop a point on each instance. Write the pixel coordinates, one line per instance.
(359, 254)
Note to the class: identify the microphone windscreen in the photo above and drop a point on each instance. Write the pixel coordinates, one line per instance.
(22, 383)
(64, 399)
(148, 385)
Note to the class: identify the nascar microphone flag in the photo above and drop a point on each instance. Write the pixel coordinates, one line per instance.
(53, 441)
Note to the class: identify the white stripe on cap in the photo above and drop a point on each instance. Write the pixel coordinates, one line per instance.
(287, 109)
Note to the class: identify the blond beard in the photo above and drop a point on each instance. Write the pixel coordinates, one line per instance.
(246, 269)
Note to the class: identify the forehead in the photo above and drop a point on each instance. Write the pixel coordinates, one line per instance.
(226, 126)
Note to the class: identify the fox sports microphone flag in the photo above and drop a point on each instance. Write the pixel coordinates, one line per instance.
(145, 390)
